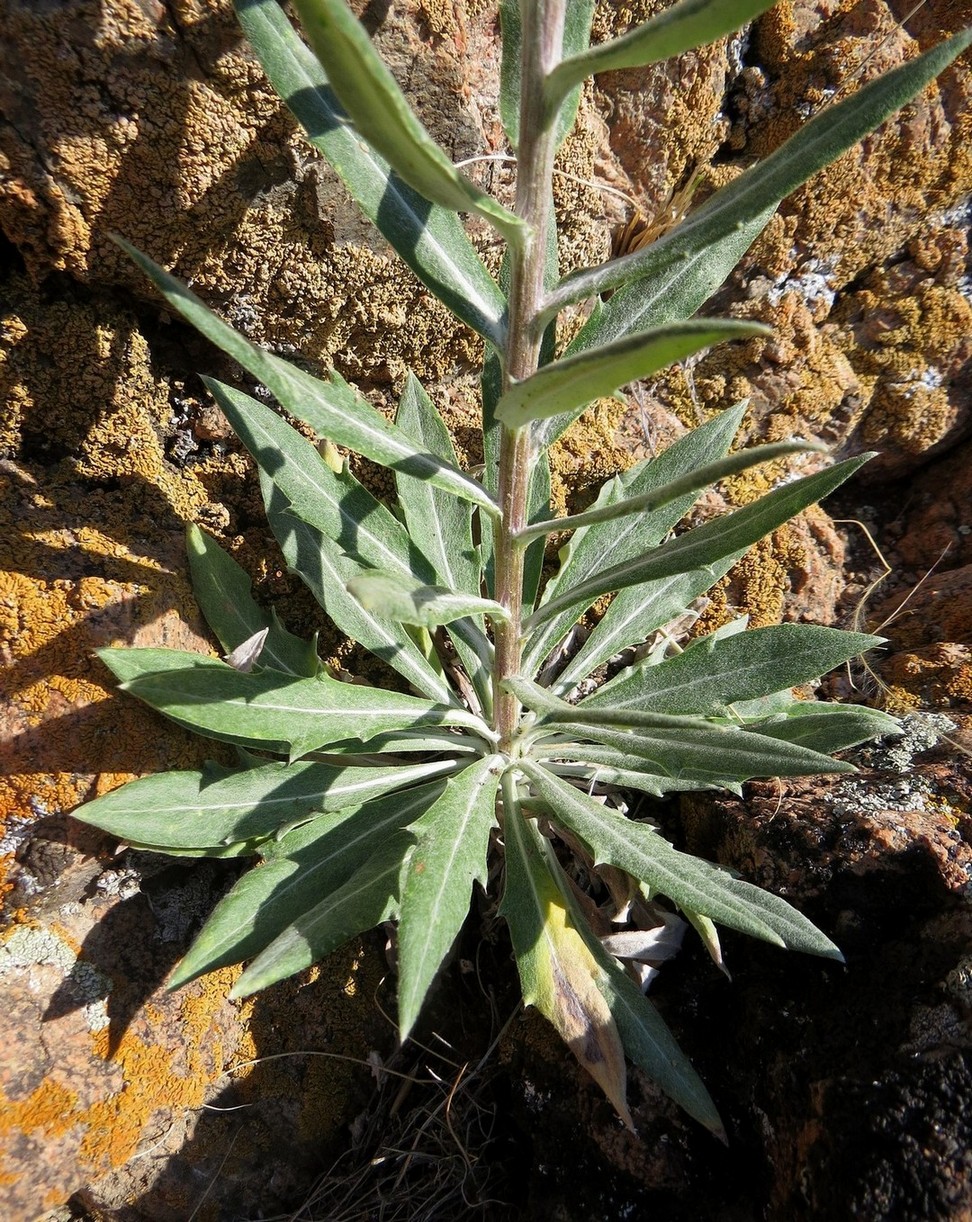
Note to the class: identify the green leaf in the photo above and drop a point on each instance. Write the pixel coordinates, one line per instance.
(431, 240)
(223, 591)
(647, 1040)
(568, 385)
(331, 406)
(755, 194)
(577, 35)
(452, 839)
(267, 710)
(382, 115)
(325, 569)
(592, 549)
(603, 766)
(412, 602)
(694, 482)
(217, 807)
(641, 852)
(341, 532)
(639, 611)
(827, 727)
(367, 898)
(706, 544)
(702, 752)
(692, 23)
(307, 863)
(558, 973)
(441, 526)
(713, 673)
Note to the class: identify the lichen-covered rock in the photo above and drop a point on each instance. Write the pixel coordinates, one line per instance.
(153, 119)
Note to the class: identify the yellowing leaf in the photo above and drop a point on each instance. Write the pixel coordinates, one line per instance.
(558, 973)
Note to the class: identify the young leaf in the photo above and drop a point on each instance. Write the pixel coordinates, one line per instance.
(592, 549)
(380, 112)
(713, 673)
(332, 406)
(689, 24)
(412, 602)
(558, 973)
(367, 898)
(325, 569)
(305, 864)
(684, 879)
(757, 192)
(452, 838)
(216, 807)
(431, 240)
(706, 544)
(223, 591)
(269, 711)
(568, 385)
(646, 1038)
(696, 481)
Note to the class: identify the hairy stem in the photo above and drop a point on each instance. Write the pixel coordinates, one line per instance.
(542, 37)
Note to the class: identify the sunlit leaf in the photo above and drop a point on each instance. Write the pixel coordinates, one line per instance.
(331, 406)
(413, 602)
(381, 114)
(223, 591)
(451, 840)
(269, 710)
(431, 240)
(303, 866)
(568, 385)
(684, 879)
(367, 898)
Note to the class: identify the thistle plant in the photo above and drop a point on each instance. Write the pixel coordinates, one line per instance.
(366, 804)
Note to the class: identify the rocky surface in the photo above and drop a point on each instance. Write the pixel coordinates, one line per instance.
(153, 120)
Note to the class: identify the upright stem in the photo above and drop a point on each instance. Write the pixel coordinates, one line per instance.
(542, 38)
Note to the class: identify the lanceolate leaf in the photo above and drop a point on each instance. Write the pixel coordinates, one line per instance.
(827, 727)
(568, 385)
(701, 887)
(382, 115)
(694, 482)
(647, 1040)
(431, 240)
(331, 406)
(303, 866)
(692, 23)
(411, 602)
(367, 898)
(325, 569)
(604, 766)
(703, 752)
(223, 591)
(639, 611)
(819, 142)
(558, 973)
(269, 710)
(441, 526)
(713, 673)
(706, 544)
(359, 533)
(452, 839)
(199, 810)
(593, 549)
